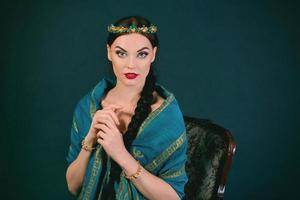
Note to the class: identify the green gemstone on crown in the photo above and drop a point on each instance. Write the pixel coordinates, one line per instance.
(131, 29)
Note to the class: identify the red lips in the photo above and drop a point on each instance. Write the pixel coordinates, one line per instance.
(131, 75)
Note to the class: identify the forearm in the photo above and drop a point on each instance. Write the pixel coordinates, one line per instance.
(77, 169)
(76, 172)
(152, 187)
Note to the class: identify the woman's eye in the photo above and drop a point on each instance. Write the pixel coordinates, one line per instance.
(120, 54)
(142, 54)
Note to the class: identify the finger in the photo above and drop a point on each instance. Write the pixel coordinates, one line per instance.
(104, 128)
(101, 135)
(111, 127)
(100, 141)
(105, 119)
(113, 115)
(105, 114)
(113, 107)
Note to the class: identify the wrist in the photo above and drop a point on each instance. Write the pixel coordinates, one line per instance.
(89, 141)
(128, 163)
(135, 175)
(87, 144)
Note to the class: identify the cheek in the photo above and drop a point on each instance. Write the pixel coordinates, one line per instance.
(145, 68)
(145, 62)
(117, 63)
(116, 68)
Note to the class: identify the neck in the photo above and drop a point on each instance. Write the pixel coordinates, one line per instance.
(126, 95)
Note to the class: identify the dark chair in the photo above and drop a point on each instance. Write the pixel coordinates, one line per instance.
(210, 152)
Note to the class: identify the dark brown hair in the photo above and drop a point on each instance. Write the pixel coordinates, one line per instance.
(143, 107)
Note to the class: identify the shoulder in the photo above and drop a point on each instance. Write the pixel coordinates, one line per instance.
(81, 115)
(169, 101)
(90, 101)
(87, 103)
(168, 111)
(159, 100)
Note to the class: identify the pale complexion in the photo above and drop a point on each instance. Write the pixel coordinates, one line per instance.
(131, 53)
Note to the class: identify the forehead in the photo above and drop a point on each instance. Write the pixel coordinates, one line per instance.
(132, 41)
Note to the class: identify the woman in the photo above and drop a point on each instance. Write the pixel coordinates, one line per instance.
(128, 136)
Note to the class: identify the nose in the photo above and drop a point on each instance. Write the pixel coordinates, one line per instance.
(131, 62)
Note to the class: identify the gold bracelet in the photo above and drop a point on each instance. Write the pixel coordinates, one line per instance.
(86, 147)
(136, 174)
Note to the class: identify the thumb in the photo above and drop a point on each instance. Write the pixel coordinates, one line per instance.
(114, 107)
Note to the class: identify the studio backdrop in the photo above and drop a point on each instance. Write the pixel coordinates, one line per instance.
(233, 62)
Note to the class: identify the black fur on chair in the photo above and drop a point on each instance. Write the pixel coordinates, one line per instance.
(210, 152)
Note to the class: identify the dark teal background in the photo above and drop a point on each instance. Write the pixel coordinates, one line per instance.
(235, 62)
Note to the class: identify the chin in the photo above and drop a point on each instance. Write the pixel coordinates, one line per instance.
(132, 82)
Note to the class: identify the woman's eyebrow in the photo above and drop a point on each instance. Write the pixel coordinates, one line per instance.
(137, 50)
(120, 48)
(142, 49)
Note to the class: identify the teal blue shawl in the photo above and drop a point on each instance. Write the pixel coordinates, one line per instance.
(160, 146)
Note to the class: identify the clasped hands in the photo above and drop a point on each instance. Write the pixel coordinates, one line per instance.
(104, 131)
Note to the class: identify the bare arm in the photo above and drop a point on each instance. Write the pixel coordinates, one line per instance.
(152, 187)
(76, 170)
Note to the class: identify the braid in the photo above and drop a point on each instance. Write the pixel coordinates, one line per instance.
(142, 109)
(141, 112)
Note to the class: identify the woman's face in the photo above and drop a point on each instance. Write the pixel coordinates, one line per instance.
(131, 56)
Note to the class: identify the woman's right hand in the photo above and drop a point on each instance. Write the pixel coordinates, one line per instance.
(108, 111)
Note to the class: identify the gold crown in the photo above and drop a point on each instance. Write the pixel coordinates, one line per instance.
(132, 29)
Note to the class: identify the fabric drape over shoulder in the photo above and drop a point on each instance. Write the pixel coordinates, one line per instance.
(160, 146)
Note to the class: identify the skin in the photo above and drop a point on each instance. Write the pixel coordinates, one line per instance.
(130, 53)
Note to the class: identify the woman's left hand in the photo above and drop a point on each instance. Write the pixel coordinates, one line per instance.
(109, 136)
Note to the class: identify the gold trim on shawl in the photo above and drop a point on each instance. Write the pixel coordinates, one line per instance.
(74, 125)
(129, 186)
(92, 179)
(121, 186)
(92, 108)
(137, 153)
(137, 197)
(173, 174)
(105, 179)
(154, 114)
(70, 147)
(160, 159)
